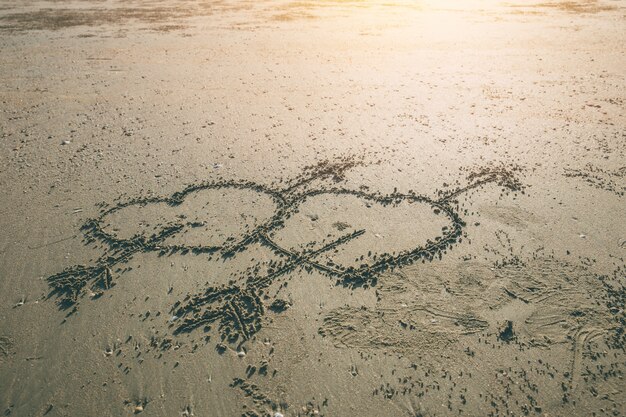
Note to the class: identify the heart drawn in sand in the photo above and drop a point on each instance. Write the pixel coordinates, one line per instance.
(349, 235)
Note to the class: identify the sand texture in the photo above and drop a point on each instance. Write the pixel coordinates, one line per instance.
(312, 208)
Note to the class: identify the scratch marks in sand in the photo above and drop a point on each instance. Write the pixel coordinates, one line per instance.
(404, 320)
(352, 256)
(420, 309)
(605, 179)
(412, 329)
(6, 348)
(423, 310)
(563, 299)
(581, 340)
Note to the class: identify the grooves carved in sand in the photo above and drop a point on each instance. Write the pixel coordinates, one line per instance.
(6, 348)
(238, 307)
(424, 309)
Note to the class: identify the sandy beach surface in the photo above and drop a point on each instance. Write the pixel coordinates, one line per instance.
(312, 208)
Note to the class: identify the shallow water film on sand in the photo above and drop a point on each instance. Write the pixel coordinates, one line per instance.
(320, 208)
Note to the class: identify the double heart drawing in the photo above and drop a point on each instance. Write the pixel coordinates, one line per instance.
(238, 307)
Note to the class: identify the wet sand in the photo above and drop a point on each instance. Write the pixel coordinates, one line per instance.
(337, 208)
